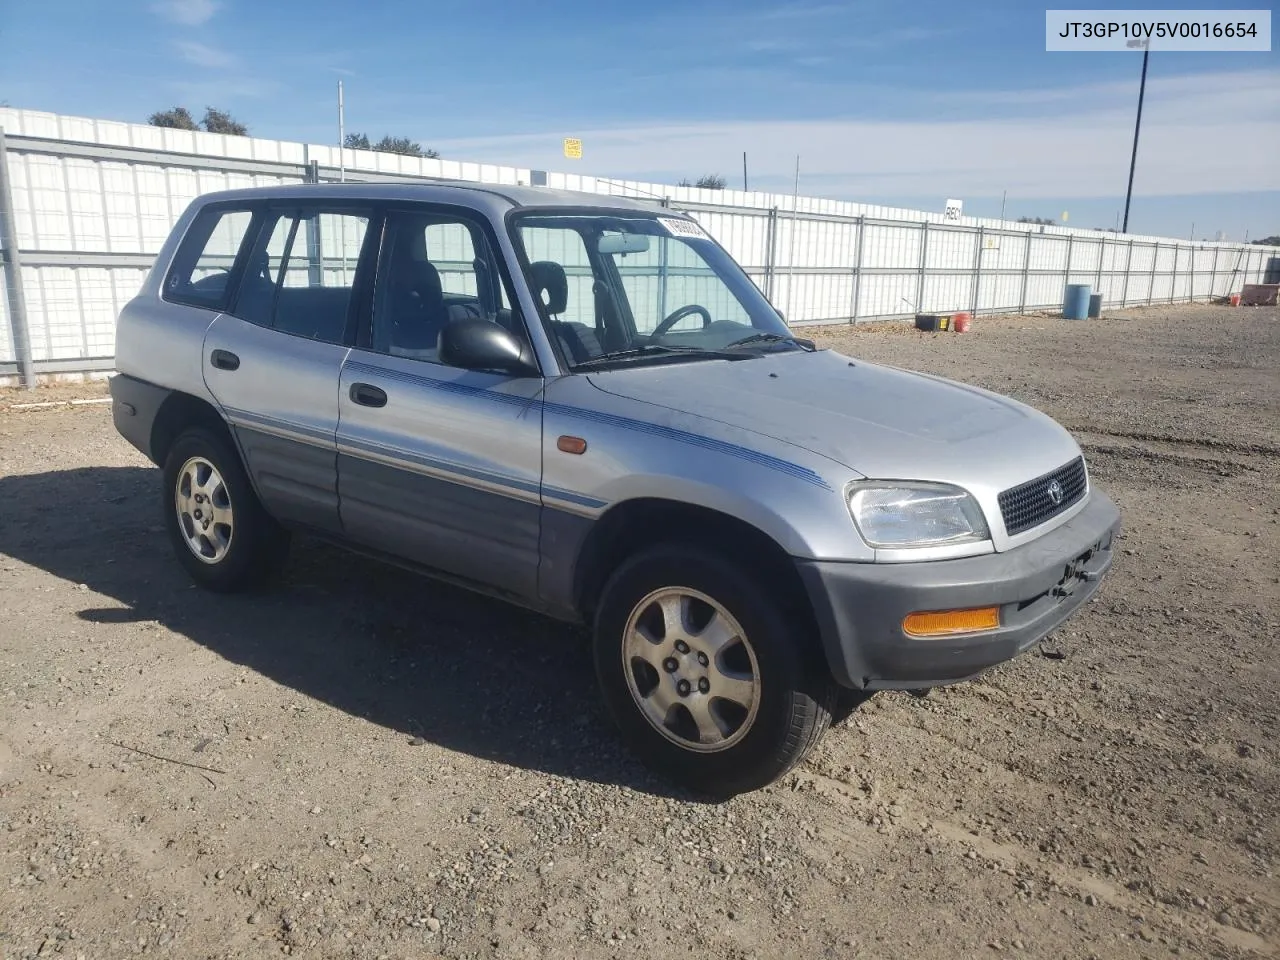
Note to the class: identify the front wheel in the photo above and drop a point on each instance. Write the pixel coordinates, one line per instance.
(220, 532)
(710, 679)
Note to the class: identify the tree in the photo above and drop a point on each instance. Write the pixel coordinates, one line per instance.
(1043, 221)
(1273, 241)
(215, 121)
(179, 118)
(388, 144)
(219, 121)
(404, 145)
(708, 181)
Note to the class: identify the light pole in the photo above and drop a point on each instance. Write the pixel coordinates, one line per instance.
(1133, 159)
(342, 137)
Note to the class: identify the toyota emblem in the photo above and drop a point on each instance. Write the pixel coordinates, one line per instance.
(1054, 490)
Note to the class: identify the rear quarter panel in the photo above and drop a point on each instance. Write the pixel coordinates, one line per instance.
(160, 342)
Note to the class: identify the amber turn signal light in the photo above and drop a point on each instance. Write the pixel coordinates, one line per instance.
(568, 444)
(944, 623)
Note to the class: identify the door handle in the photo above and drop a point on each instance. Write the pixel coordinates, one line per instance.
(367, 395)
(224, 360)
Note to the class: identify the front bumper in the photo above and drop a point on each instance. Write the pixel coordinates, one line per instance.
(860, 606)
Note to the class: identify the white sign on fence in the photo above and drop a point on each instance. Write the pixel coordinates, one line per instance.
(952, 210)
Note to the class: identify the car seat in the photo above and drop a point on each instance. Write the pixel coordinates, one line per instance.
(414, 303)
(551, 286)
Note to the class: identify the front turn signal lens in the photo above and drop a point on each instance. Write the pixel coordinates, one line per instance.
(945, 623)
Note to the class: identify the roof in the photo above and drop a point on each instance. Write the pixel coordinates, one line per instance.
(494, 198)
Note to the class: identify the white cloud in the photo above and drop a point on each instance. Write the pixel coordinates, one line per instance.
(205, 56)
(1207, 133)
(192, 13)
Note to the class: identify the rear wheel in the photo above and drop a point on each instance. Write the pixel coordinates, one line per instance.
(220, 532)
(710, 679)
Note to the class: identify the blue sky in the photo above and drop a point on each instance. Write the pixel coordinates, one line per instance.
(892, 102)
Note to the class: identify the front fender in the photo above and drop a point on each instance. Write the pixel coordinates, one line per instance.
(788, 520)
(639, 450)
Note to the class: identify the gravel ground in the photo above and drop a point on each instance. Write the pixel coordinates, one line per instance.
(364, 764)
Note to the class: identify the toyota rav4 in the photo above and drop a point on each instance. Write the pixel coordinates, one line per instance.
(583, 405)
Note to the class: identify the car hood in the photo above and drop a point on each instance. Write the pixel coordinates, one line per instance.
(879, 421)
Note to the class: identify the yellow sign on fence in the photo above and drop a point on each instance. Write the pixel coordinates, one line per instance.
(573, 148)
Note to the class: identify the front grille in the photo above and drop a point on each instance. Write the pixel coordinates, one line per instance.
(1029, 504)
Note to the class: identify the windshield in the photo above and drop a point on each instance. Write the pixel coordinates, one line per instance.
(626, 287)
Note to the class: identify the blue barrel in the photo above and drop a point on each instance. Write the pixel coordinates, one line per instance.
(1076, 304)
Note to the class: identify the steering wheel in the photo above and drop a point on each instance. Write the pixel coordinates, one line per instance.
(679, 315)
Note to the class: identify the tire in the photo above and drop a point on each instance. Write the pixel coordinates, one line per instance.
(242, 547)
(714, 605)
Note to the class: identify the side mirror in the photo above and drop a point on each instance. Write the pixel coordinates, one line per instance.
(476, 344)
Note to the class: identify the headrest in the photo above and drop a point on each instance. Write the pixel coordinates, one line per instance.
(421, 276)
(549, 277)
(429, 277)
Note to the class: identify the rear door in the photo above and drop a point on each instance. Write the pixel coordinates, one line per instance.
(436, 464)
(273, 360)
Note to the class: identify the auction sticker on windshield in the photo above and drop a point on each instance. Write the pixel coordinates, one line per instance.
(682, 228)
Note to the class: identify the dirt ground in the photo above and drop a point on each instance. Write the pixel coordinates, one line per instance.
(363, 764)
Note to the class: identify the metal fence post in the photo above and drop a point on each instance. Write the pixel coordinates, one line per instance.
(1026, 273)
(1102, 255)
(857, 269)
(924, 254)
(1151, 286)
(12, 263)
(1173, 279)
(1128, 265)
(771, 245)
(977, 271)
(1066, 278)
(1213, 277)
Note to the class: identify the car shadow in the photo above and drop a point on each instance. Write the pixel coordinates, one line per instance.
(418, 657)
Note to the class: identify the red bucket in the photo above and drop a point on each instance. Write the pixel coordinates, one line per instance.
(1234, 299)
(960, 323)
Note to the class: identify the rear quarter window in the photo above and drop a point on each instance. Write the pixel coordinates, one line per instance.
(203, 269)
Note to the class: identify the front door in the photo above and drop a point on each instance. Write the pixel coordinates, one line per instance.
(436, 464)
(273, 361)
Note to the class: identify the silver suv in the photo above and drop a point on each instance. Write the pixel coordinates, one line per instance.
(584, 406)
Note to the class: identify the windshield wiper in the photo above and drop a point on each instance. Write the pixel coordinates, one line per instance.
(652, 350)
(772, 338)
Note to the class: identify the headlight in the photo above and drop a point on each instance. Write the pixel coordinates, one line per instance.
(915, 514)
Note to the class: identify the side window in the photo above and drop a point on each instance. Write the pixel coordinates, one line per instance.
(435, 269)
(300, 277)
(450, 249)
(560, 274)
(201, 272)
